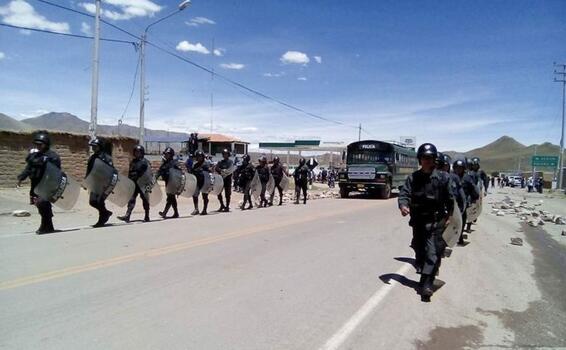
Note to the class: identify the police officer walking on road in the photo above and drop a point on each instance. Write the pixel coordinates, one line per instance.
(35, 167)
(427, 198)
(245, 177)
(167, 164)
(277, 171)
(468, 187)
(101, 150)
(225, 168)
(138, 167)
(263, 173)
(200, 169)
(301, 176)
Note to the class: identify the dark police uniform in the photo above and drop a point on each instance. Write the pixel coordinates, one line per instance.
(430, 200)
(263, 173)
(245, 177)
(138, 167)
(225, 164)
(97, 200)
(301, 176)
(277, 171)
(198, 170)
(163, 172)
(35, 167)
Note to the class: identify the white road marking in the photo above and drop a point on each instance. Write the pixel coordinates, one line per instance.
(350, 326)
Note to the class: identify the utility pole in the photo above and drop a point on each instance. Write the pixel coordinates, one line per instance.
(560, 77)
(142, 89)
(95, 61)
(360, 132)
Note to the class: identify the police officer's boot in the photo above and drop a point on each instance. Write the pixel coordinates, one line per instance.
(146, 217)
(195, 202)
(175, 211)
(469, 227)
(205, 206)
(163, 213)
(222, 207)
(227, 206)
(427, 289)
(125, 218)
(243, 206)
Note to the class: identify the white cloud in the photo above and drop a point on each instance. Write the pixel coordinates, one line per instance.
(197, 21)
(186, 46)
(126, 9)
(294, 57)
(86, 29)
(274, 75)
(318, 59)
(235, 66)
(302, 78)
(20, 13)
(2, 55)
(219, 52)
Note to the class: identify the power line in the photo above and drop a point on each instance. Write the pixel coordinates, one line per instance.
(132, 91)
(67, 34)
(212, 72)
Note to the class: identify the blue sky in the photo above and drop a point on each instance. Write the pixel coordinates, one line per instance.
(456, 73)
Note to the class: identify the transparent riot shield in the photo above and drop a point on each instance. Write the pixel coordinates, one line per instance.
(58, 188)
(472, 212)
(176, 182)
(149, 187)
(104, 180)
(284, 183)
(255, 186)
(480, 200)
(227, 172)
(452, 232)
(217, 184)
(190, 186)
(270, 187)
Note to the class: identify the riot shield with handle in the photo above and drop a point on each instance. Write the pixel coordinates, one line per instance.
(58, 188)
(180, 184)
(105, 180)
(284, 183)
(213, 183)
(255, 186)
(149, 187)
(474, 210)
(270, 186)
(452, 232)
(228, 171)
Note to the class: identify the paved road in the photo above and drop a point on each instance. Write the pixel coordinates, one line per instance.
(332, 274)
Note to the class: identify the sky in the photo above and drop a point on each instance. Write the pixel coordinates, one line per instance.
(459, 74)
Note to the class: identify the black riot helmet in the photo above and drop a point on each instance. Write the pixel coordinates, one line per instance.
(263, 159)
(427, 149)
(140, 149)
(447, 159)
(460, 163)
(42, 137)
(199, 154)
(246, 159)
(440, 161)
(169, 151)
(302, 161)
(226, 151)
(276, 160)
(475, 161)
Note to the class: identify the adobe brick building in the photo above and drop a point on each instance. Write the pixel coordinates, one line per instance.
(72, 148)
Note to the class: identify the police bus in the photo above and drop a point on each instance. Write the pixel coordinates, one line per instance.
(376, 167)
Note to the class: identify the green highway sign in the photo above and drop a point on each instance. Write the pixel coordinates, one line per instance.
(548, 161)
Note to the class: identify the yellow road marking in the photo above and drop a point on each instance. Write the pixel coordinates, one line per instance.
(47, 276)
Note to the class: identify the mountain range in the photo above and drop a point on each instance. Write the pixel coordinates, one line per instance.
(503, 154)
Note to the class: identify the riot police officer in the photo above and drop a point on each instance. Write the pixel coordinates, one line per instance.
(138, 167)
(301, 176)
(263, 174)
(427, 198)
(469, 189)
(277, 171)
(35, 167)
(482, 176)
(225, 168)
(200, 169)
(245, 177)
(474, 176)
(101, 150)
(167, 164)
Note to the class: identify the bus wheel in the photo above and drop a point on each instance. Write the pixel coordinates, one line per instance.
(385, 192)
(343, 192)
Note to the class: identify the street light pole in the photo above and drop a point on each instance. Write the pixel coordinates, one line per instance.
(561, 77)
(183, 5)
(95, 62)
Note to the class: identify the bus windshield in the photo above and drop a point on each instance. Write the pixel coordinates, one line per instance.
(369, 156)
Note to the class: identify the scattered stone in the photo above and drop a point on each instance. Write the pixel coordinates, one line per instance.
(517, 241)
(500, 213)
(558, 220)
(535, 222)
(563, 232)
(547, 218)
(21, 213)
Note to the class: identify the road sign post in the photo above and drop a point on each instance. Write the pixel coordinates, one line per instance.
(544, 161)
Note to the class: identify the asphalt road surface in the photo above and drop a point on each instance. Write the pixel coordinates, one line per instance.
(334, 274)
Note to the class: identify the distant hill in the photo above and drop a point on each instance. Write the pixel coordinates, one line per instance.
(8, 123)
(507, 154)
(71, 123)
